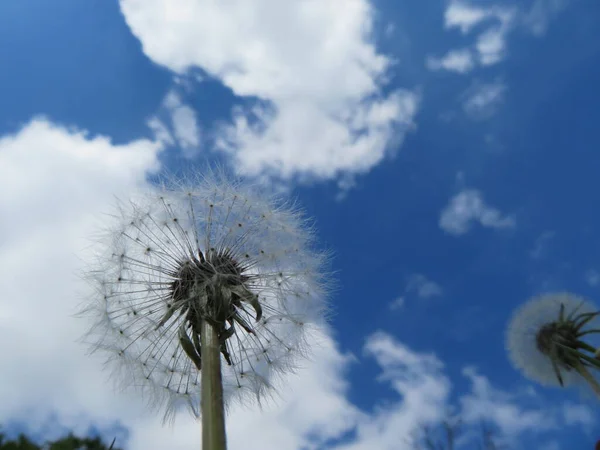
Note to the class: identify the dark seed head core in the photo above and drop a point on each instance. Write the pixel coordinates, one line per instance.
(554, 333)
(212, 287)
(204, 281)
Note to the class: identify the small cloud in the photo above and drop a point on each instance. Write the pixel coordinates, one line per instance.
(397, 304)
(464, 16)
(491, 46)
(459, 61)
(482, 100)
(184, 123)
(424, 287)
(540, 247)
(418, 285)
(592, 277)
(467, 207)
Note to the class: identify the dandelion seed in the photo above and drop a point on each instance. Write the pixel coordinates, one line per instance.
(207, 253)
(549, 340)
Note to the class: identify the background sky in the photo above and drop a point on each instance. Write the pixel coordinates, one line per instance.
(448, 151)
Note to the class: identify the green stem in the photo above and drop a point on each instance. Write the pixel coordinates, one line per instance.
(213, 415)
(592, 361)
(589, 378)
(583, 333)
(586, 346)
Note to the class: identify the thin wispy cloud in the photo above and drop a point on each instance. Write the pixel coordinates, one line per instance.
(495, 23)
(489, 47)
(468, 207)
(542, 244)
(482, 100)
(538, 18)
(179, 126)
(419, 286)
(592, 277)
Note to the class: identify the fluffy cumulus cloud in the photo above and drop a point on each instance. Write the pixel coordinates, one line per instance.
(312, 66)
(60, 181)
(468, 206)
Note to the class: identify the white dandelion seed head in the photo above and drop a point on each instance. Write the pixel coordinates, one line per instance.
(204, 249)
(522, 336)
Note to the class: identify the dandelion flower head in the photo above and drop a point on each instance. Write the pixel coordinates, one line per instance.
(204, 249)
(541, 330)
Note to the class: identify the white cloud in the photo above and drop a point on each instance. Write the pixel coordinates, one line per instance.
(482, 99)
(491, 46)
(184, 124)
(515, 415)
(61, 181)
(423, 390)
(498, 21)
(312, 63)
(183, 128)
(161, 132)
(459, 61)
(467, 207)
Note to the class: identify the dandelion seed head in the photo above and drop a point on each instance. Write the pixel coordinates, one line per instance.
(533, 331)
(204, 249)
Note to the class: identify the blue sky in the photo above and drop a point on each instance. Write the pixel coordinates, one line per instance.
(447, 151)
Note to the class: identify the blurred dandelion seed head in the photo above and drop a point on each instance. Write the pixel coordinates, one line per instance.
(206, 249)
(539, 333)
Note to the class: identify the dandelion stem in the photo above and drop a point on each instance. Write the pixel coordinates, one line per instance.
(213, 417)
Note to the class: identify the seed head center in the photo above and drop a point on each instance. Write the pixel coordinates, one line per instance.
(203, 285)
(553, 337)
